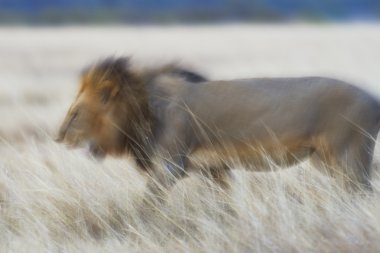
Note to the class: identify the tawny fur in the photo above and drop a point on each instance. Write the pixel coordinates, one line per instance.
(174, 114)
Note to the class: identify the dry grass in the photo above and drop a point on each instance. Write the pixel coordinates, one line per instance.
(57, 200)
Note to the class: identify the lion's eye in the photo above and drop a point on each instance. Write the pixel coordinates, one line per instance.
(74, 118)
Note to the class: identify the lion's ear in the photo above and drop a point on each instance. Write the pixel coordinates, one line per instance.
(120, 65)
(107, 92)
(107, 77)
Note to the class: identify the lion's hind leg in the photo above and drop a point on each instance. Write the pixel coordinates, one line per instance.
(349, 163)
(356, 161)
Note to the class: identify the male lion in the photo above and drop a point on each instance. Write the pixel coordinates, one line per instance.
(171, 114)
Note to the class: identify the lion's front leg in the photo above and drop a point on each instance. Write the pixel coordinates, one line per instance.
(171, 149)
(163, 178)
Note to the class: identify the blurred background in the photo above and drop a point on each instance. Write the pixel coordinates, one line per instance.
(189, 11)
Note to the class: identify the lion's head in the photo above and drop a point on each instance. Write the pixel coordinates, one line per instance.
(111, 101)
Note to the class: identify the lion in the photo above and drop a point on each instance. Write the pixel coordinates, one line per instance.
(174, 115)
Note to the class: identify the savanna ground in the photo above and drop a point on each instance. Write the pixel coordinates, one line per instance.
(57, 200)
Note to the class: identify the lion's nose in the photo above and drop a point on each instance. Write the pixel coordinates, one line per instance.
(60, 137)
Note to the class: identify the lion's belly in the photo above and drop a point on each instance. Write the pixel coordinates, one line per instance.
(254, 156)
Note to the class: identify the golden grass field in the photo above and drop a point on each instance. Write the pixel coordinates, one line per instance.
(57, 200)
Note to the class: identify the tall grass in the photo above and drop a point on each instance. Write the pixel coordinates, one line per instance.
(57, 200)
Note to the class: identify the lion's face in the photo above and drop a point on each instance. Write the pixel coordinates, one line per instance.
(95, 118)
